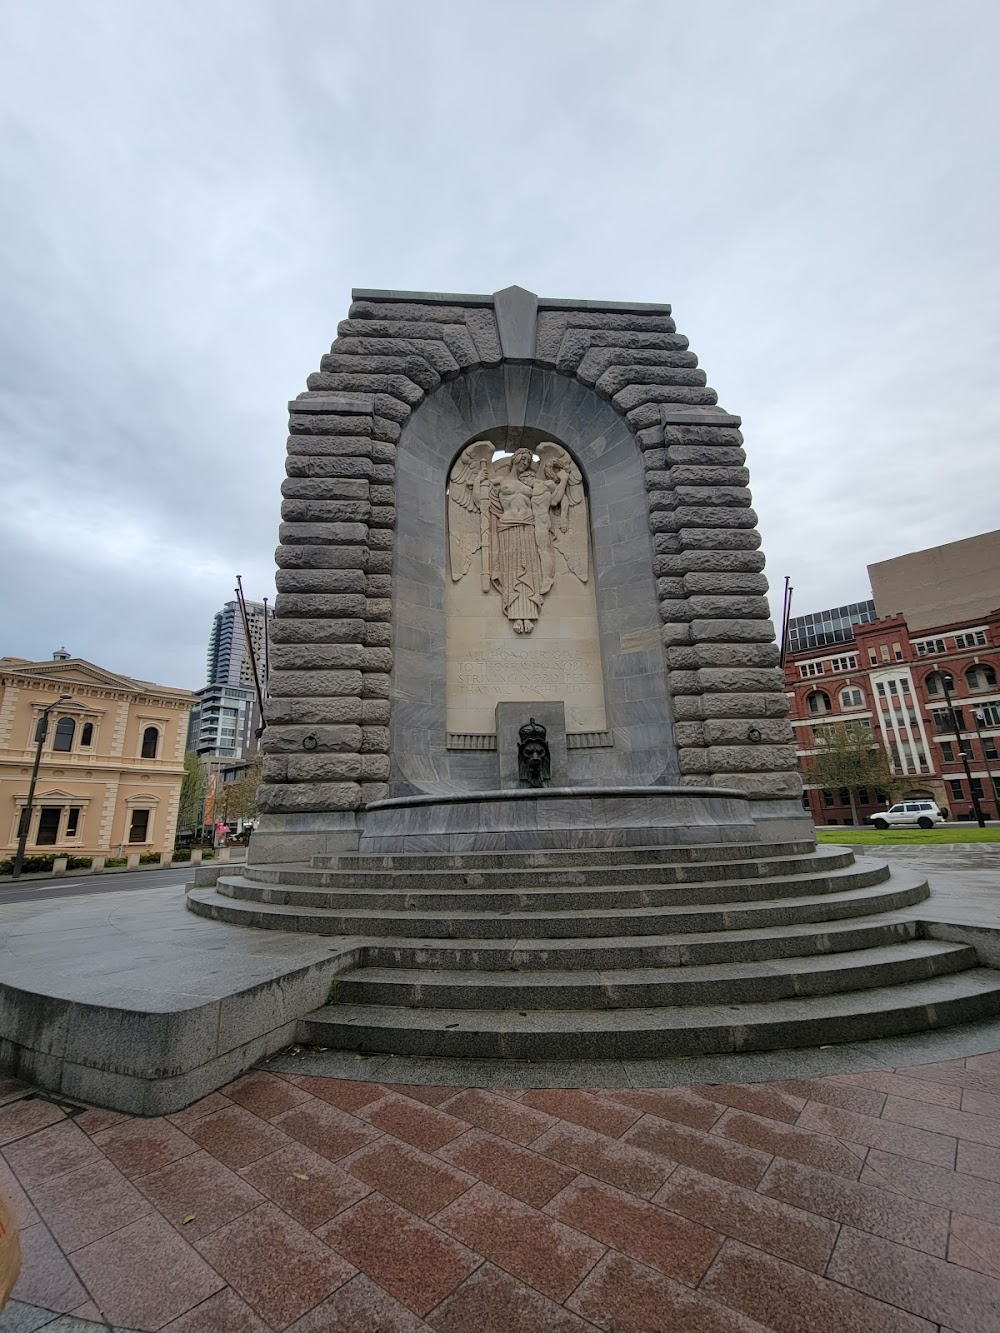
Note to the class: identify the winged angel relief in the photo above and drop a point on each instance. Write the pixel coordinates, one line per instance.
(517, 514)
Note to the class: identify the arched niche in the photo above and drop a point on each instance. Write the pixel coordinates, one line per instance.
(514, 405)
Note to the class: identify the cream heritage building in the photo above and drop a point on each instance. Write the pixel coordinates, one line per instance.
(112, 762)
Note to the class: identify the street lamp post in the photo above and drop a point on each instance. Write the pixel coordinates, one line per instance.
(946, 681)
(41, 731)
(978, 716)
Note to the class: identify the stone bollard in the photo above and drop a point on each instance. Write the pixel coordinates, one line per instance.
(196, 856)
(97, 865)
(59, 865)
(165, 859)
(222, 854)
(133, 861)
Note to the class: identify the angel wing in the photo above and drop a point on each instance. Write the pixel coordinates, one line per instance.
(465, 528)
(570, 519)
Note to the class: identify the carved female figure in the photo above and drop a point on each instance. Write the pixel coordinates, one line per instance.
(517, 512)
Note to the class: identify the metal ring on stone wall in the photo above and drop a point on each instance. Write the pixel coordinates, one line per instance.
(310, 742)
(753, 735)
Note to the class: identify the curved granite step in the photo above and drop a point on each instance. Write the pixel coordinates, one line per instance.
(680, 950)
(648, 987)
(562, 857)
(505, 878)
(544, 896)
(661, 1032)
(902, 889)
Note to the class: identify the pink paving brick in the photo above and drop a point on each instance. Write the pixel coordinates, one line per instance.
(21, 1206)
(278, 1267)
(422, 1092)
(866, 1207)
(869, 1132)
(145, 1275)
(936, 1185)
(621, 1296)
(537, 1249)
(865, 1101)
(498, 1115)
(942, 1120)
(709, 1153)
(141, 1146)
(225, 1312)
(423, 1126)
(94, 1120)
(198, 1110)
(197, 1194)
(491, 1301)
(360, 1306)
(264, 1094)
(788, 1232)
(930, 1288)
(759, 1098)
(47, 1277)
(938, 1094)
(83, 1205)
(793, 1141)
(975, 1244)
(783, 1296)
(678, 1105)
(981, 1103)
(611, 1160)
(25, 1116)
(413, 1179)
(308, 1186)
(325, 1129)
(515, 1171)
(236, 1137)
(583, 1108)
(977, 1160)
(652, 1235)
(412, 1260)
(342, 1092)
(49, 1152)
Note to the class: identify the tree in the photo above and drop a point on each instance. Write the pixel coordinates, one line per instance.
(192, 792)
(238, 800)
(850, 755)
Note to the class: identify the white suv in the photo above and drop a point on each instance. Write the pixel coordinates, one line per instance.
(924, 814)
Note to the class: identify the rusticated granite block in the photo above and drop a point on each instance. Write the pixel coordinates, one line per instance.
(712, 562)
(325, 488)
(725, 583)
(708, 455)
(326, 511)
(301, 684)
(321, 557)
(709, 516)
(315, 656)
(732, 631)
(701, 434)
(375, 712)
(734, 731)
(310, 466)
(321, 768)
(717, 539)
(331, 446)
(320, 580)
(375, 740)
(317, 631)
(685, 474)
(278, 739)
(376, 659)
(282, 798)
(328, 606)
(314, 709)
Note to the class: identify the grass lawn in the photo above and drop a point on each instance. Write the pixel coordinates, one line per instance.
(887, 837)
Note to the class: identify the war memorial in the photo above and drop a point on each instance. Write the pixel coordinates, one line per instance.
(530, 792)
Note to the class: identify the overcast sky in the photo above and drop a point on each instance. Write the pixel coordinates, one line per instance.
(189, 190)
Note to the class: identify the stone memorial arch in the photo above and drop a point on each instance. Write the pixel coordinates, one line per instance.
(501, 501)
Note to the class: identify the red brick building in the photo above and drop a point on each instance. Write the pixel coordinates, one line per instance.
(881, 673)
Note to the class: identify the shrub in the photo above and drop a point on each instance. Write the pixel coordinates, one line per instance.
(182, 854)
(116, 861)
(31, 865)
(79, 862)
(149, 858)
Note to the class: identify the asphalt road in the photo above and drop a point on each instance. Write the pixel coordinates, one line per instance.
(76, 886)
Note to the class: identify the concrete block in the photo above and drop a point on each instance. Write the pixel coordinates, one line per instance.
(132, 860)
(59, 865)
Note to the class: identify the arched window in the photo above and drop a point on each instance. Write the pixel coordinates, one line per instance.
(936, 681)
(65, 728)
(819, 702)
(852, 698)
(981, 677)
(150, 740)
(87, 734)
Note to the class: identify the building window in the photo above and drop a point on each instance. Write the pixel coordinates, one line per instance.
(956, 789)
(827, 797)
(947, 752)
(852, 698)
(87, 734)
(989, 747)
(884, 650)
(988, 714)
(65, 728)
(981, 677)
(811, 669)
(845, 663)
(975, 639)
(928, 646)
(48, 826)
(897, 652)
(150, 740)
(805, 800)
(139, 826)
(819, 702)
(935, 682)
(73, 822)
(977, 788)
(872, 657)
(863, 795)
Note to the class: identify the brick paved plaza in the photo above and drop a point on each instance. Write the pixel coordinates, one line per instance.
(858, 1203)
